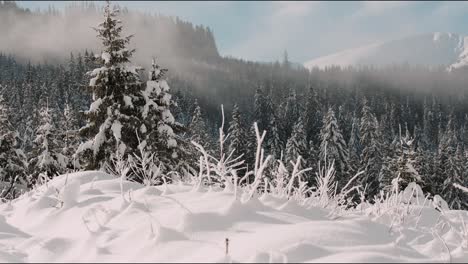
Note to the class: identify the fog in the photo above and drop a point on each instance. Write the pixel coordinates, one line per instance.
(51, 36)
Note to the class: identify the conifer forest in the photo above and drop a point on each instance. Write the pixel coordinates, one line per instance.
(146, 137)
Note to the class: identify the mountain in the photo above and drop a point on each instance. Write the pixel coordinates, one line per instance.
(434, 49)
(50, 36)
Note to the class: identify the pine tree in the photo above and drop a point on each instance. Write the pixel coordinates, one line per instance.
(354, 146)
(250, 148)
(12, 159)
(297, 143)
(261, 111)
(290, 114)
(424, 160)
(274, 140)
(333, 146)
(344, 122)
(312, 162)
(197, 128)
(46, 159)
(402, 166)
(313, 122)
(449, 169)
(114, 116)
(236, 134)
(371, 157)
(69, 134)
(386, 128)
(159, 128)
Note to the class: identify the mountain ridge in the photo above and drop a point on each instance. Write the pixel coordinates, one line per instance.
(430, 49)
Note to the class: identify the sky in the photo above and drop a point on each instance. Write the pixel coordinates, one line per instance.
(263, 30)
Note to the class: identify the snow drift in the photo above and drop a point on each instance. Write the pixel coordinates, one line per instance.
(90, 217)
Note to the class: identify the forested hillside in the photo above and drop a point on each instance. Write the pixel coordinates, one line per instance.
(401, 122)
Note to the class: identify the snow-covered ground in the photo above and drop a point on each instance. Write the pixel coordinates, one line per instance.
(432, 49)
(83, 217)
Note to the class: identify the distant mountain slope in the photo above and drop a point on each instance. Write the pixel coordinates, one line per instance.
(432, 49)
(51, 35)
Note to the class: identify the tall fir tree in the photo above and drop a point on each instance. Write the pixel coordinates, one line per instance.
(198, 129)
(12, 159)
(159, 129)
(250, 148)
(261, 111)
(354, 146)
(371, 157)
(313, 122)
(236, 134)
(113, 118)
(69, 135)
(297, 143)
(46, 159)
(333, 146)
(449, 169)
(290, 114)
(274, 139)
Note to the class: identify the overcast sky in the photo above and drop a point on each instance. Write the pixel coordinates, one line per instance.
(261, 30)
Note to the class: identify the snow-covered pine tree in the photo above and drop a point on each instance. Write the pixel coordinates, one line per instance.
(313, 122)
(69, 134)
(427, 137)
(250, 148)
(386, 128)
(371, 157)
(197, 128)
(12, 159)
(448, 169)
(297, 143)
(46, 159)
(354, 146)
(424, 160)
(290, 114)
(333, 146)
(236, 134)
(444, 161)
(455, 197)
(312, 162)
(409, 173)
(260, 109)
(274, 140)
(159, 128)
(115, 114)
(344, 122)
(464, 133)
(401, 165)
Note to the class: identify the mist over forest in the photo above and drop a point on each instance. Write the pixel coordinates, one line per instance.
(91, 143)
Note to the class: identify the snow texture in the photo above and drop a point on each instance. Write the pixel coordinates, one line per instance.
(433, 49)
(83, 217)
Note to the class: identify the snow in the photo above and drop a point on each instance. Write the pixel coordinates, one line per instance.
(106, 57)
(83, 217)
(167, 116)
(345, 58)
(433, 49)
(95, 105)
(100, 136)
(165, 129)
(171, 143)
(128, 101)
(96, 74)
(117, 130)
(463, 57)
(132, 69)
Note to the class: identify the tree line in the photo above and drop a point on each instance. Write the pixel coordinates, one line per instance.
(394, 124)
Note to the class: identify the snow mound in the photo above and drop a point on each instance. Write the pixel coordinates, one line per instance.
(85, 217)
